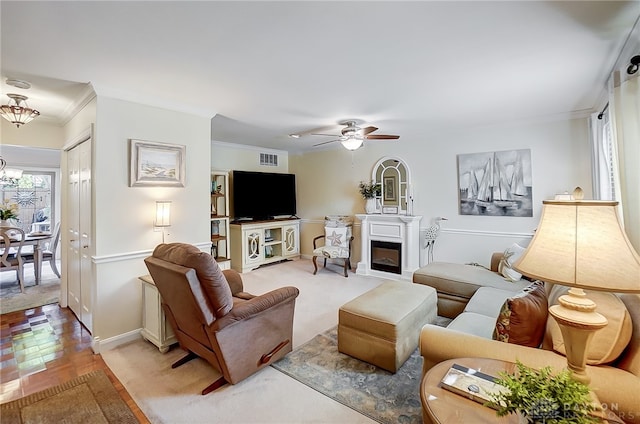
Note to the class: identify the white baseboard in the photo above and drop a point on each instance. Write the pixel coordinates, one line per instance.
(115, 341)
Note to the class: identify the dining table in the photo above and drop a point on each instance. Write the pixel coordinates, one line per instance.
(36, 240)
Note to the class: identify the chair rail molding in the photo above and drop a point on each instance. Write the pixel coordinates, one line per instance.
(126, 256)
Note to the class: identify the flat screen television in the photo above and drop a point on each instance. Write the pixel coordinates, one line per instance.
(262, 195)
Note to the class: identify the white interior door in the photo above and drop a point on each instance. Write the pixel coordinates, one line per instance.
(73, 230)
(79, 233)
(86, 240)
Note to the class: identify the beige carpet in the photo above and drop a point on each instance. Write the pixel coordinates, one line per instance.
(168, 395)
(90, 398)
(11, 299)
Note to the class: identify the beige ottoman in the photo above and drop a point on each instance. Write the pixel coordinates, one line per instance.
(382, 326)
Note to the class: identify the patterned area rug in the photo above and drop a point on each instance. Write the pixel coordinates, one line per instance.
(374, 392)
(90, 398)
(45, 293)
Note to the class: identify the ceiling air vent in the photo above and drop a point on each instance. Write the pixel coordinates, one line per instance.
(268, 159)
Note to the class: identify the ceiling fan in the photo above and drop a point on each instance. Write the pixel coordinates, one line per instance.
(352, 136)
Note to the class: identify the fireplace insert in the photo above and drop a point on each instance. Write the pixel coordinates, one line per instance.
(386, 256)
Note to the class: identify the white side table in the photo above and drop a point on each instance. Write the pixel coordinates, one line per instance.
(155, 327)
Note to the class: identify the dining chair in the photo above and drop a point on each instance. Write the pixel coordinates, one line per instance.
(12, 239)
(48, 253)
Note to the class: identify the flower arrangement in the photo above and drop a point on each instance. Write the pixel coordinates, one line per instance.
(8, 211)
(369, 190)
(544, 398)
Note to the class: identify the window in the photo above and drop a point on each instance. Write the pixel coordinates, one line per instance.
(604, 148)
(34, 194)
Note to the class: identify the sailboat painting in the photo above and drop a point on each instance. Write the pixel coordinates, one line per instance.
(496, 183)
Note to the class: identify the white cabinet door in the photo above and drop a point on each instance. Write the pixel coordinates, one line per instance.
(253, 247)
(290, 240)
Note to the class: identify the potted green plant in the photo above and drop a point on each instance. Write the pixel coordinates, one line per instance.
(8, 211)
(540, 397)
(369, 191)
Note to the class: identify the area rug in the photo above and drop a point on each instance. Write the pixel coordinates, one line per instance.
(90, 398)
(45, 293)
(382, 396)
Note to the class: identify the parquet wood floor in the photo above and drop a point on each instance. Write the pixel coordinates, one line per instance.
(44, 347)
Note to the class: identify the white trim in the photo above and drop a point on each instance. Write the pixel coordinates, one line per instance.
(126, 256)
(247, 147)
(99, 346)
(482, 233)
(86, 96)
(84, 135)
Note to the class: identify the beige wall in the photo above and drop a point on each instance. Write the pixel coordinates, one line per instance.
(227, 157)
(124, 215)
(37, 133)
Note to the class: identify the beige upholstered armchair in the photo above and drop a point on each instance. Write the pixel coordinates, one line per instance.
(214, 319)
(337, 242)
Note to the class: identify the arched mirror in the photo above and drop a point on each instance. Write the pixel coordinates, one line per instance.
(395, 180)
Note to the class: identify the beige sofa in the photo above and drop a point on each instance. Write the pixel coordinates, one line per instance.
(457, 283)
(616, 383)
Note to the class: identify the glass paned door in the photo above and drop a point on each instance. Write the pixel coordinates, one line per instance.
(34, 195)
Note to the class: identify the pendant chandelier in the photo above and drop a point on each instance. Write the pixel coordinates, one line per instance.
(17, 112)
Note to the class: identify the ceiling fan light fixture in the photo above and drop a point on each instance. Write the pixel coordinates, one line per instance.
(16, 111)
(352, 143)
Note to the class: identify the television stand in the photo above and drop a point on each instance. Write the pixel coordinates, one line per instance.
(256, 243)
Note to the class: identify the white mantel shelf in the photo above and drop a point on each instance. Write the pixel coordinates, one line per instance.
(404, 229)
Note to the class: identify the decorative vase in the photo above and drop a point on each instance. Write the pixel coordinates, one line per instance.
(5, 223)
(370, 206)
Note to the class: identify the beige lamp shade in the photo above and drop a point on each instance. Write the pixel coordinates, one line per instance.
(582, 244)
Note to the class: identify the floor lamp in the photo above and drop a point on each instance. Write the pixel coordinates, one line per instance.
(581, 244)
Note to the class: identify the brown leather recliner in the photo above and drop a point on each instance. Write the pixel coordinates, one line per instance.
(213, 318)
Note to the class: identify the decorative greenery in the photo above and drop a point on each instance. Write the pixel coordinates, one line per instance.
(9, 211)
(542, 397)
(369, 190)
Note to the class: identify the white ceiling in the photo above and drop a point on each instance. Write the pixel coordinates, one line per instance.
(268, 69)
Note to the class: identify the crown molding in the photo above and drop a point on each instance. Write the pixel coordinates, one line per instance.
(87, 94)
(248, 147)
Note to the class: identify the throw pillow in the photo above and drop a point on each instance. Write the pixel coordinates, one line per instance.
(511, 255)
(522, 319)
(336, 236)
(607, 343)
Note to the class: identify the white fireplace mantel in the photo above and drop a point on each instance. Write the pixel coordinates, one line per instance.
(403, 229)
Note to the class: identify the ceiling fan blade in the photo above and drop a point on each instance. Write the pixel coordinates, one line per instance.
(368, 130)
(326, 142)
(328, 135)
(382, 137)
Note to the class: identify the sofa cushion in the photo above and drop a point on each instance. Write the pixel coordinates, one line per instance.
(209, 273)
(607, 343)
(473, 323)
(511, 255)
(522, 319)
(488, 301)
(462, 280)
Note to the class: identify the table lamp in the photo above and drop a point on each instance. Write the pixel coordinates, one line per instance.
(581, 244)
